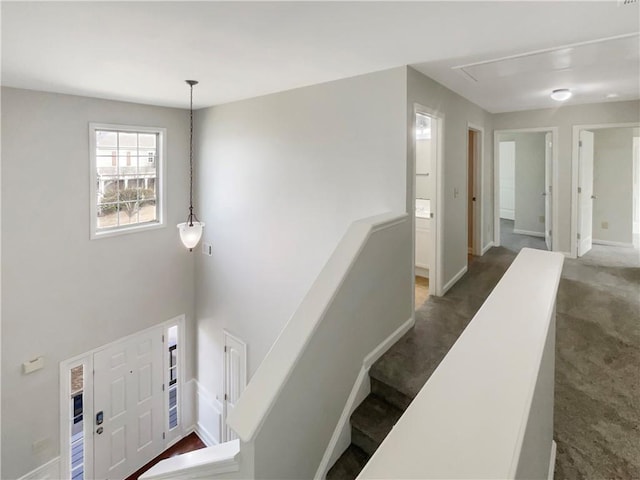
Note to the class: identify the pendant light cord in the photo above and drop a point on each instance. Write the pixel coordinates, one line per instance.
(191, 158)
(191, 216)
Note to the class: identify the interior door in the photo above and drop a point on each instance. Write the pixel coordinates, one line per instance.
(235, 377)
(585, 192)
(548, 155)
(128, 405)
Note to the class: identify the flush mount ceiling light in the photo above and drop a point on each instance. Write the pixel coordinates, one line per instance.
(561, 94)
(191, 230)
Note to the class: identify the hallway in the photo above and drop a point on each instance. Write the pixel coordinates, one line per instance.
(597, 360)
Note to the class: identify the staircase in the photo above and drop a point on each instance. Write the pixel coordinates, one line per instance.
(398, 376)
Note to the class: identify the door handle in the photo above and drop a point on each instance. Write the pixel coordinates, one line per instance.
(100, 430)
(544, 194)
(593, 197)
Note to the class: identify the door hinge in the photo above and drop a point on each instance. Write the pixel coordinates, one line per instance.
(162, 338)
(163, 435)
(550, 232)
(578, 236)
(579, 189)
(163, 387)
(580, 143)
(225, 349)
(225, 397)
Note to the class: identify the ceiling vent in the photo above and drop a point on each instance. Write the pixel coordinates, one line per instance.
(622, 3)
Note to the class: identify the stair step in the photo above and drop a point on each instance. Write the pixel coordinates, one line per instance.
(349, 465)
(390, 394)
(372, 421)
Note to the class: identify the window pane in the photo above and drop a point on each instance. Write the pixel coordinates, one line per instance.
(147, 140)
(106, 139)
(127, 139)
(77, 379)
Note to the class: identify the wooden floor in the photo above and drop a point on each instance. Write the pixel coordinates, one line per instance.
(187, 444)
(422, 290)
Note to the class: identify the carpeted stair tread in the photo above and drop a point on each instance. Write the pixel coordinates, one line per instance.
(390, 394)
(349, 465)
(372, 421)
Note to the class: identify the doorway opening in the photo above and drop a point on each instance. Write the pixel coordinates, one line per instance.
(235, 378)
(525, 174)
(475, 139)
(120, 403)
(606, 187)
(427, 153)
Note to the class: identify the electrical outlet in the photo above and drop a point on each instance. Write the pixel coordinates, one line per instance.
(541, 218)
(604, 225)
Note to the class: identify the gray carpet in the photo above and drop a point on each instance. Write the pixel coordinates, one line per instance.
(597, 397)
(515, 241)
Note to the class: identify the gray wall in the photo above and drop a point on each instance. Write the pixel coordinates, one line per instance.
(565, 118)
(612, 184)
(457, 112)
(280, 179)
(62, 293)
(529, 180)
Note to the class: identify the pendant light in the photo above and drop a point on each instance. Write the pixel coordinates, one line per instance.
(191, 230)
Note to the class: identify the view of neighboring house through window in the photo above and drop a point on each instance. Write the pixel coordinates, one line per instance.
(126, 174)
(173, 376)
(77, 425)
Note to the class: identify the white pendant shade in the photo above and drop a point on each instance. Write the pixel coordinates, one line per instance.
(190, 234)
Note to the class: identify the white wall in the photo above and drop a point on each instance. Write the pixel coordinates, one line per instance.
(564, 118)
(280, 179)
(528, 180)
(62, 293)
(458, 112)
(507, 152)
(613, 185)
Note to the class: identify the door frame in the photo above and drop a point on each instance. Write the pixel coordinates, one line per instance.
(575, 164)
(243, 379)
(435, 281)
(554, 181)
(478, 180)
(86, 359)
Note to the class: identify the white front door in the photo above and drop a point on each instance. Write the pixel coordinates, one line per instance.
(585, 192)
(128, 396)
(548, 155)
(235, 377)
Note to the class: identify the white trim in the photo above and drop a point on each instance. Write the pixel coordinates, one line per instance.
(575, 161)
(421, 272)
(552, 460)
(437, 168)
(161, 203)
(203, 428)
(517, 231)
(455, 278)
(47, 471)
(478, 176)
(341, 437)
(487, 247)
(612, 244)
(555, 204)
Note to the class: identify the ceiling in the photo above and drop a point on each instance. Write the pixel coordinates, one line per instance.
(143, 51)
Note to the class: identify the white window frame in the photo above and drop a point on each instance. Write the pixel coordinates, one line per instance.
(161, 204)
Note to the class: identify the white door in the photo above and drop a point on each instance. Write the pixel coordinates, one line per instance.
(585, 192)
(235, 377)
(507, 158)
(128, 391)
(548, 156)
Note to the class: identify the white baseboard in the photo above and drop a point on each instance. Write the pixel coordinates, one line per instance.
(486, 248)
(528, 232)
(552, 460)
(341, 437)
(48, 471)
(208, 423)
(507, 214)
(453, 281)
(613, 244)
(422, 272)
(567, 254)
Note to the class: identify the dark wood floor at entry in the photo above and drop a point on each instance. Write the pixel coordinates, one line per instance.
(188, 444)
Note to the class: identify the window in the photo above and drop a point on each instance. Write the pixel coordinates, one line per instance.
(76, 440)
(172, 335)
(126, 178)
